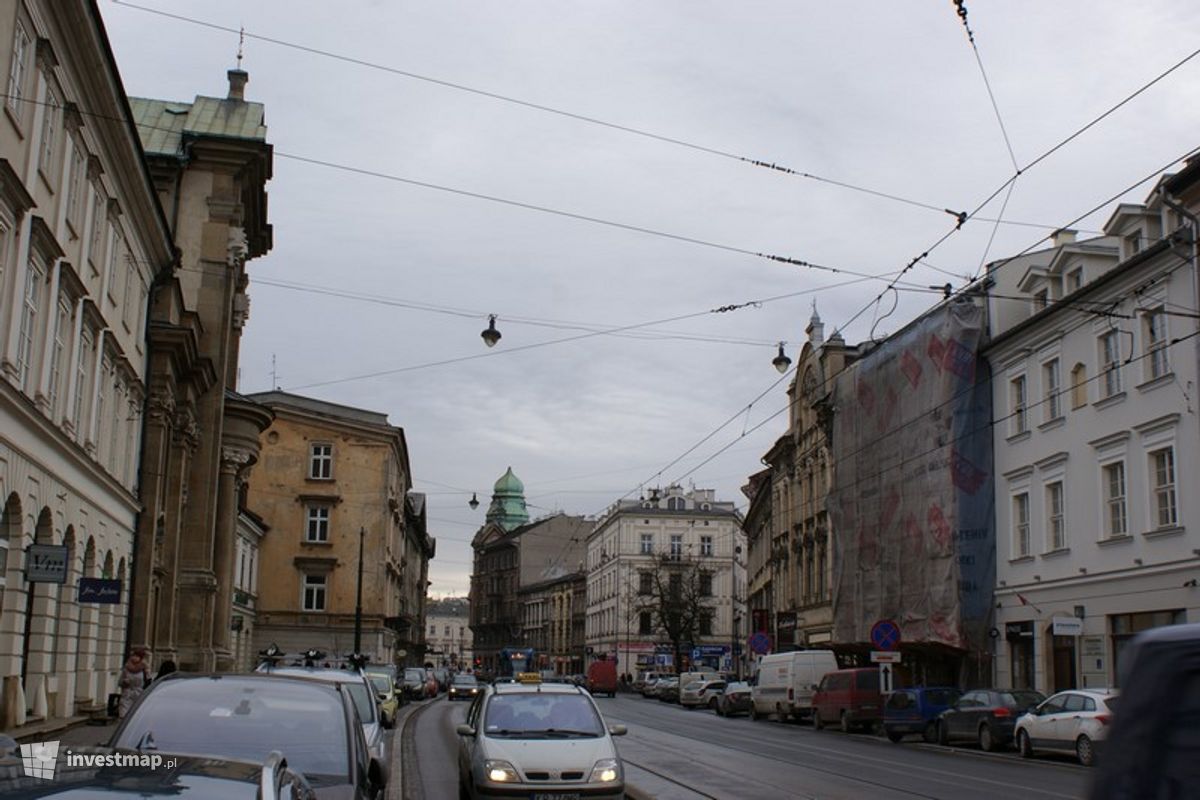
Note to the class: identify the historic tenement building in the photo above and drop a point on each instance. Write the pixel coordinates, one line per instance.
(83, 239)
(555, 616)
(448, 638)
(334, 485)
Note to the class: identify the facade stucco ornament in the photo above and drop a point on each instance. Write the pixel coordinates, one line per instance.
(235, 461)
(241, 310)
(187, 430)
(160, 407)
(237, 247)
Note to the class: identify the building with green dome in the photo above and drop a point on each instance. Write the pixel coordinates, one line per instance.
(508, 502)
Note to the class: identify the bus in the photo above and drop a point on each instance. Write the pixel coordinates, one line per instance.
(514, 660)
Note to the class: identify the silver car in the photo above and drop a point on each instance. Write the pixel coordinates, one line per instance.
(360, 689)
(538, 740)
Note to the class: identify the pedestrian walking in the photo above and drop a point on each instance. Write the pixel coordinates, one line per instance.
(134, 677)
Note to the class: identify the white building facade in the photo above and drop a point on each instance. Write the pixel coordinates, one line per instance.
(1094, 378)
(82, 238)
(448, 634)
(624, 546)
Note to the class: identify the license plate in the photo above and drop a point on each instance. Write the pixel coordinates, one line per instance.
(556, 796)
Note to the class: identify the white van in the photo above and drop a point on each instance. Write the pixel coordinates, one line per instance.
(785, 683)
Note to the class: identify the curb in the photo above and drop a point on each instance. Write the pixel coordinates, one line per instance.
(39, 730)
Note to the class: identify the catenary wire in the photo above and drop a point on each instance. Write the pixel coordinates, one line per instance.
(555, 111)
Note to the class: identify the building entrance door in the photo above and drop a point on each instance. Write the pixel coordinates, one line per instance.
(1063, 654)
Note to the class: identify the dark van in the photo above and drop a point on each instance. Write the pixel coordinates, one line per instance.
(916, 710)
(850, 698)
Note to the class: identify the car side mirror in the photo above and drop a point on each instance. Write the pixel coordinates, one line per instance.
(377, 774)
(617, 730)
(465, 730)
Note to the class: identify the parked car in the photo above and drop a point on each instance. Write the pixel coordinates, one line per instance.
(393, 674)
(431, 683)
(849, 697)
(986, 716)
(602, 678)
(359, 687)
(785, 683)
(667, 690)
(463, 687)
(315, 725)
(442, 674)
(650, 686)
(701, 694)
(642, 678)
(686, 678)
(916, 710)
(735, 699)
(539, 740)
(194, 777)
(386, 697)
(414, 683)
(1071, 722)
(1152, 748)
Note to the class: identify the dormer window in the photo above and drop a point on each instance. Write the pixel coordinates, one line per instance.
(1134, 242)
(1075, 279)
(1041, 299)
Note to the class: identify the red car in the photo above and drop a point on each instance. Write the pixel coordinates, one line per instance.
(850, 698)
(602, 678)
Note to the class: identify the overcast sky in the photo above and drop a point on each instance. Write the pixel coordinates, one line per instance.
(883, 96)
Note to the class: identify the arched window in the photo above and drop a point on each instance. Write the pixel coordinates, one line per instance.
(1079, 393)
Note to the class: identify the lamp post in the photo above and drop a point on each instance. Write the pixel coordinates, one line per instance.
(362, 533)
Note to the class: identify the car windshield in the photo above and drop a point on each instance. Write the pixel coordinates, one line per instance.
(1111, 702)
(382, 683)
(541, 715)
(737, 686)
(464, 680)
(1021, 699)
(242, 719)
(414, 674)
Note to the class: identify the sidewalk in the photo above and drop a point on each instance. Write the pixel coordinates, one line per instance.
(51, 729)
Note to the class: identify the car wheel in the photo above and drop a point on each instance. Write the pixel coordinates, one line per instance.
(1023, 745)
(943, 734)
(818, 724)
(712, 704)
(754, 715)
(845, 722)
(895, 736)
(987, 740)
(930, 734)
(1085, 751)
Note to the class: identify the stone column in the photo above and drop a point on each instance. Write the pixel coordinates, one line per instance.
(233, 462)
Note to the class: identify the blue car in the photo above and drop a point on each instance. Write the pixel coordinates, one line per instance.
(916, 710)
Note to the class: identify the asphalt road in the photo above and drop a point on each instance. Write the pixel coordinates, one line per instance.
(428, 748)
(676, 754)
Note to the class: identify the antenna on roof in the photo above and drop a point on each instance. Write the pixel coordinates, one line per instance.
(241, 43)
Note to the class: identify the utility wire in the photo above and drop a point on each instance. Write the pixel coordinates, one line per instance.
(962, 13)
(555, 111)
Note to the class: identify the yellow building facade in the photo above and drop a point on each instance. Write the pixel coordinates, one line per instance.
(333, 486)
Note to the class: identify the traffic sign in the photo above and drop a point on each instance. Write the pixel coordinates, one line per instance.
(759, 642)
(885, 678)
(885, 635)
(695, 654)
(885, 657)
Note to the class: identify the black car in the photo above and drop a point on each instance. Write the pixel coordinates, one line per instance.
(414, 683)
(463, 687)
(245, 717)
(101, 773)
(1153, 748)
(986, 716)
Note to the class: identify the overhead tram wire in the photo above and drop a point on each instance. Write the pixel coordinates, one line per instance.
(770, 165)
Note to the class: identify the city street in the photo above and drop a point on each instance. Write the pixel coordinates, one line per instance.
(673, 753)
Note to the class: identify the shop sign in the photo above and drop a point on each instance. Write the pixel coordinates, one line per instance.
(1066, 626)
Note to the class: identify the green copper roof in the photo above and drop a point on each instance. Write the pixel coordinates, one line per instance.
(163, 124)
(508, 502)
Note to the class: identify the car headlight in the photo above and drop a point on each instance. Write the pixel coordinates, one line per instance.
(606, 770)
(500, 771)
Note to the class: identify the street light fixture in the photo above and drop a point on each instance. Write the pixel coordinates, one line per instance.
(491, 335)
(473, 502)
(781, 361)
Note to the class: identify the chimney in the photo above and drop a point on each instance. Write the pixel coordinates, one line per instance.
(237, 84)
(1062, 236)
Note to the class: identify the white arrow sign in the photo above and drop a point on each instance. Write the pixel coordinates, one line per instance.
(885, 678)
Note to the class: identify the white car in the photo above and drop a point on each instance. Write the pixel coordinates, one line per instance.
(701, 694)
(539, 740)
(1068, 722)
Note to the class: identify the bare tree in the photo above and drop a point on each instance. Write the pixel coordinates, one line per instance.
(674, 593)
